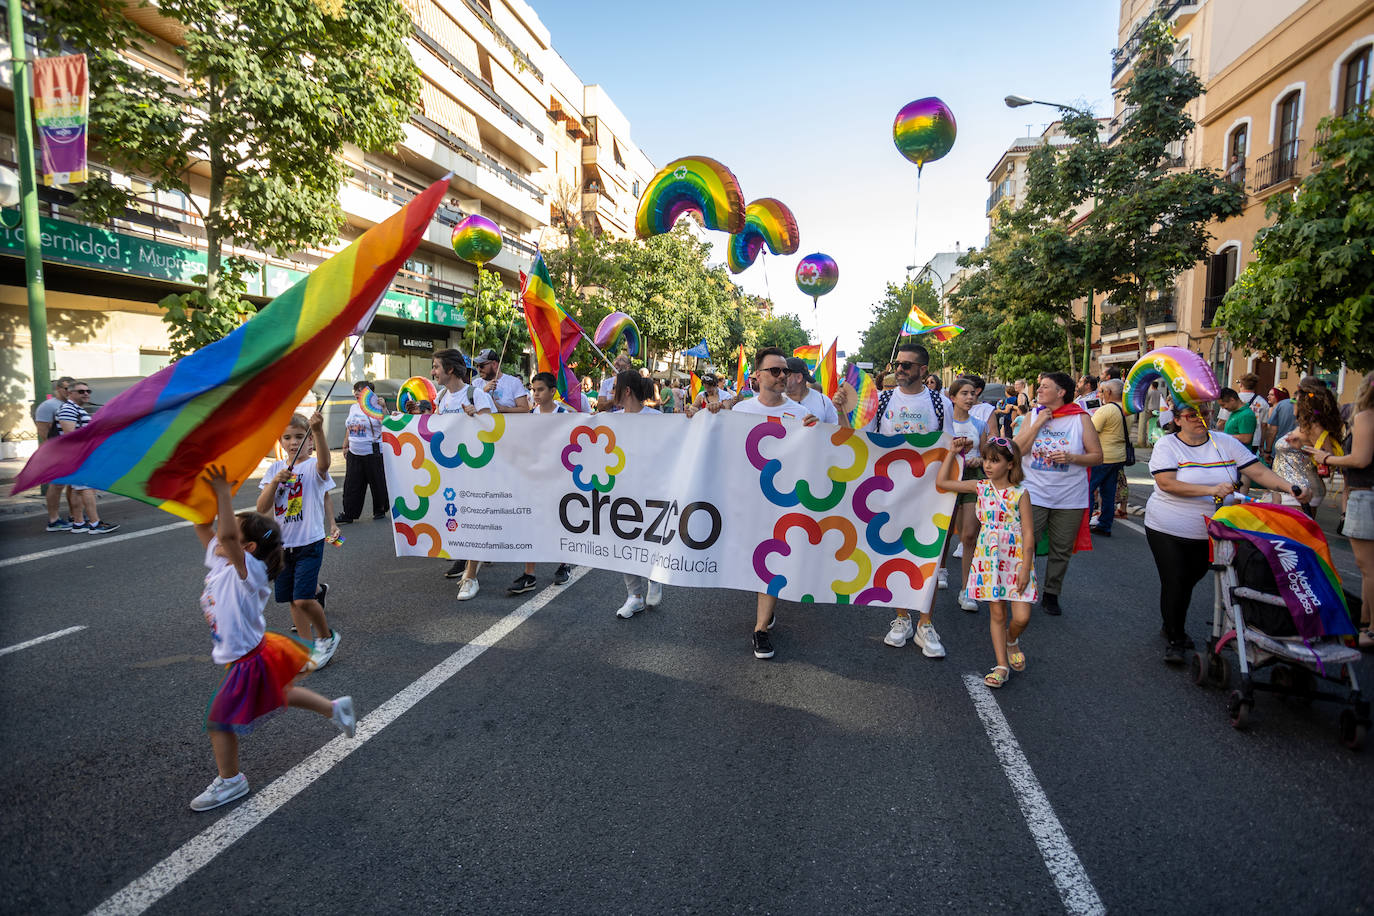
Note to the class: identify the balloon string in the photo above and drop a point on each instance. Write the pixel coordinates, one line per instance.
(767, 291)
(916, 232)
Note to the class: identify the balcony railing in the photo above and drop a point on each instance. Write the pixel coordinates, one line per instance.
(1235, 173)
(1002, 191)
(1277, 166)
(1118, 123)
(503, 38)
(475, 81)
(445, 215)
(1123, 56)
(1159, 311)
(1210, 304)
(460, 146)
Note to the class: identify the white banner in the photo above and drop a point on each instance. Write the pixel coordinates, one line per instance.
(822, 514)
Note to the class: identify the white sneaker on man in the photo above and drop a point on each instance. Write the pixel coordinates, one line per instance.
(942, 578)
(632, 606)
(468, 589)
(654, 594)
(928, 640)
(900, 632)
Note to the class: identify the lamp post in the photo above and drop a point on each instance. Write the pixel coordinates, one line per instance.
(1020, 101)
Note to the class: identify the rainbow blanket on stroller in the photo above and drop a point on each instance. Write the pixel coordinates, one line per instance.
(1300, 560)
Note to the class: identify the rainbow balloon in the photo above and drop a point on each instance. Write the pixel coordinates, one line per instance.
(694, 183)
(766, 222)
(1188, 376)
(924, 131)
(415, 388)
(615, 326)
(477, 239)
(817, 275)
(372, 404)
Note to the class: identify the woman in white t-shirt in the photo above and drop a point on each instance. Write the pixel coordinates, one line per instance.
(629, 393)
(1195, 472)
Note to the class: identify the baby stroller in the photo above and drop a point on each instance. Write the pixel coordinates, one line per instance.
(1250, 543)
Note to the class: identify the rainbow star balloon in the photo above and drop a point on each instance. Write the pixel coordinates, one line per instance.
(766, 222)
(477, 239)
(924, 131)
(615, 326)
(415, 388)
(694, 183)
(817, 275)
(1190, 380)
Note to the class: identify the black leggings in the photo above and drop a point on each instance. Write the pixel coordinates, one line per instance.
(1181, 562)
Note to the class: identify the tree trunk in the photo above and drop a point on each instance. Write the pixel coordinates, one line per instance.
(213, 240)
(1068, 342)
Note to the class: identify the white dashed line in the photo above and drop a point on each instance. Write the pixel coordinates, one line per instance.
(33, 642)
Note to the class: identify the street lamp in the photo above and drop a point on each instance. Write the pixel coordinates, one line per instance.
(1020, 101)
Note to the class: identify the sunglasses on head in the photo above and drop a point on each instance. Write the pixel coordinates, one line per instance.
(775, 371)
(999, 440)
(903, 364)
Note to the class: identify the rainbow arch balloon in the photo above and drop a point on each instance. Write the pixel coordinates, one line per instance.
(615, 326)
(924, 131)
(766, 222)
(477, 239)
(694, 183)
(415, 388)
(1189, 378)
(817, 275)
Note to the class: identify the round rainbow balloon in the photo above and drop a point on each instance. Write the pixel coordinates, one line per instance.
(817, 275)
(477, 239)
(924, 131)
(615, 326)
(371, 403)
(694, 183)
(415, 388)
(766, 222)
(1189, 378)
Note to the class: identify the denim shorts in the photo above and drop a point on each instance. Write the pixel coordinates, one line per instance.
(300, 574)
(1359, 515)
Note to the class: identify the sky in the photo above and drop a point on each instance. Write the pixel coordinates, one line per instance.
(798, 98)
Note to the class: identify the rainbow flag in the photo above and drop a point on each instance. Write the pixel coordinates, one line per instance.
(1300, 560)
(866, 407)
(226, 404)
(552, 331)
(827, 374)
(741, 372)
(811, 354)
(693, 389)
(918, 322)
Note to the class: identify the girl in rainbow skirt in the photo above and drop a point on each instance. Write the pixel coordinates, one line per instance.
(242, 557)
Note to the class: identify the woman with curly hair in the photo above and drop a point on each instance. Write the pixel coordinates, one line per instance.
(1318, 426)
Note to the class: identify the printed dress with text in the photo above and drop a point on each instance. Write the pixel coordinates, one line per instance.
(997, 560)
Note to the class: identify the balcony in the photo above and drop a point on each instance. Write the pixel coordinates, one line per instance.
(1004, 190)
(1235, 173)
(1210, 304)
(1118, 123)
(1167, 10)
(475, 81)
(1122, 320)
(521, 58)
(1276, 167)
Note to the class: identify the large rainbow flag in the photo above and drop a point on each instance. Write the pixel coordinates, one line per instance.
(226, 404)
(552, 331)
(866, 407)
(810, 354)
(1299, 558)
(827, 373)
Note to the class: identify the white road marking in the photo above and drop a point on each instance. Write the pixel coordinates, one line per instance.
(33, 642)
(1129, 524)
(92, 540)
(197, 852)
(1075, 888)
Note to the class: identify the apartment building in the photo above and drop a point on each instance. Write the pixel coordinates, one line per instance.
(1272, 70)
(527, 145)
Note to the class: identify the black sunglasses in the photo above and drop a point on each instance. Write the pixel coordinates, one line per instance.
(82, 391)
(902, 364)
(775, 371)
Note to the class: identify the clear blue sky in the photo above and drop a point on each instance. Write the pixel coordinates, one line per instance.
(798, 98)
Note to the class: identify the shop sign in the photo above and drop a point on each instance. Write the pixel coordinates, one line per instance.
(446, 313)
(87, 246)
(416, 343)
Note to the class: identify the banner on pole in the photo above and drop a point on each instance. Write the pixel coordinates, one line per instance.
(819, 514)
(60, 105)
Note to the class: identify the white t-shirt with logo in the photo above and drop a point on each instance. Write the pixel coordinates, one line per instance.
(914, 414)
(455, 401)
(508, 390)
(298, 506)
(1218, 460)
(1057, 486)
(233, 606)
(820, 406)
(363, 431)
(788, 408)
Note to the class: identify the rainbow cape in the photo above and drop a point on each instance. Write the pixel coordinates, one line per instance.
(226, 404)
(810, 354)
(866, 407)
(1300, 560)
(553, 332)
(827, 375)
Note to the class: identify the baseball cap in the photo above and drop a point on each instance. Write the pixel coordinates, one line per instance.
(797, 364)
(709, 378)
(486, 356)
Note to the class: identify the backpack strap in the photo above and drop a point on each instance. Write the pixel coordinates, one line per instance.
(938, 401)
(883, 400)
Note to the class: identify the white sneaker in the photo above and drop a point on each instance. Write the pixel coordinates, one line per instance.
(632, 606)
(900, 632)
(468, 589)
(929, 641)
(324, 650)
(220, 792)
(942, 578)
(655, 594)
(958, 551)
(344, 718)
(967, 603)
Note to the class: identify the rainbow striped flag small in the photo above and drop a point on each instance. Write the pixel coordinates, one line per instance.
(827, 375)
(810, 354)
(866, 407)
(693, 389)
(741, 372)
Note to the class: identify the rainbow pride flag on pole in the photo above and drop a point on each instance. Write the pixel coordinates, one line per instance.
(810, 354)
(1300, 560)
(741, 372)
(228, 402)
(693, 389)
(552, 331)
(918, 322)
(866, 407)
(827, 374)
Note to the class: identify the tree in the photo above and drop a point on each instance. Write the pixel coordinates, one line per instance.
(495, 321)
(270, 93)
(783, 331)
(889, 313)
(1308, 297)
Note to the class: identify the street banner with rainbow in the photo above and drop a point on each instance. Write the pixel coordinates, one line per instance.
(60, 109)
(226, 404)
(822, 514)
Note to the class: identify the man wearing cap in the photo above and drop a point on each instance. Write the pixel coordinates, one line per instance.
(604, 400)
(510, 396)
(799, 379)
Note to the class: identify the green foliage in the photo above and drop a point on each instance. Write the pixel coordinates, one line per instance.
(194, 320)
(1028, 344)
(1308, 297)
(495, 321)
(783, 331)
(273, 91)
(889, 313)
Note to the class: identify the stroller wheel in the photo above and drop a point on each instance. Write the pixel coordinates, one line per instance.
(1197, 669)
(1219, 670)
(1239, 708)
(1353, 731)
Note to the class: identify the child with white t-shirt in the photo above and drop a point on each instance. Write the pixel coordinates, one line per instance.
(295, 495)
(242, 557)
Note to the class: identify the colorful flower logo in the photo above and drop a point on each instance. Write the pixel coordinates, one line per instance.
(593, 458)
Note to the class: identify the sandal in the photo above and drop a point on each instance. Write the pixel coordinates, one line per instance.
(1015, 657)
(997, 676)
(1366, 639)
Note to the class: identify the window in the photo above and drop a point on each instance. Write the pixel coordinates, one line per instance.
(1235, 154)
(1355, 84)
(1221, 273)
(1289, 111)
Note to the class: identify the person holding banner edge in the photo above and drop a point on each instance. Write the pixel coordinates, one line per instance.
(451, 370)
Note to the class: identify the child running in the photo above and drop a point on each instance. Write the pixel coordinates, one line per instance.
(296, 495)
(242, 557)
(1003, 569)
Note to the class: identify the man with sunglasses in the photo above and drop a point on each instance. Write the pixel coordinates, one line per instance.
(799, 389)
(71, 416)
(912, 408)
(770, 365)
(45, 421)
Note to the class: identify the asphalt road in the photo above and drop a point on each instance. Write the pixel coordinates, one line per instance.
(583, 763)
